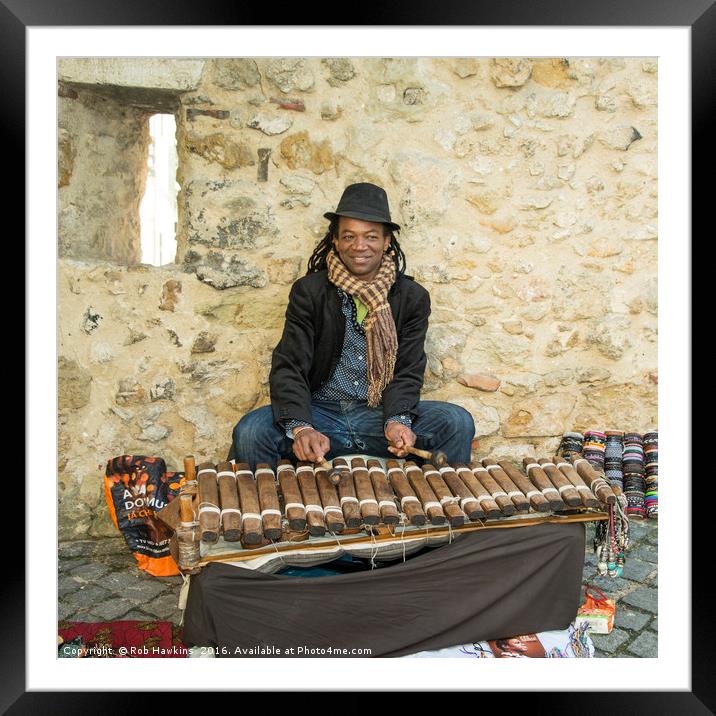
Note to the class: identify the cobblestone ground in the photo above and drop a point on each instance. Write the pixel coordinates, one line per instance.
(635, 592)
(98, 581)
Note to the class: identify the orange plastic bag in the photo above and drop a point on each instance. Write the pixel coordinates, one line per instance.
(136, 487)
(597, 611)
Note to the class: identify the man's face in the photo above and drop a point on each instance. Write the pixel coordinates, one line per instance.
(361, 245)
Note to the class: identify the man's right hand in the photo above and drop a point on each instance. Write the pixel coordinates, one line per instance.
(310, 445)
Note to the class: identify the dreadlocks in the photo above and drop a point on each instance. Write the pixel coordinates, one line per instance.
(317, 262)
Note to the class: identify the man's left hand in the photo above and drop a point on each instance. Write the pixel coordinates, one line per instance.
(399, 437)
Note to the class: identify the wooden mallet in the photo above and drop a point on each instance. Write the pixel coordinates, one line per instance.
(334, 474)
(437, 459)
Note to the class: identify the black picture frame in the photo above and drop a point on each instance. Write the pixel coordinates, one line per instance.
(699, 15)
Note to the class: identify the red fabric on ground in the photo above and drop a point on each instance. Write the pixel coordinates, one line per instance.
(127, 639)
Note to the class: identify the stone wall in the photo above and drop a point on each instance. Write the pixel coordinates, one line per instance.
(527, 189)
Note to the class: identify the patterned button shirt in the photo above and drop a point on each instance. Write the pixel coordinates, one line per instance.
(350, 378)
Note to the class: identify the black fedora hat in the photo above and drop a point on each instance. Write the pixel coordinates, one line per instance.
(364, 201)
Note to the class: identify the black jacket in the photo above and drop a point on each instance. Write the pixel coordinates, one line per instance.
(312, 340)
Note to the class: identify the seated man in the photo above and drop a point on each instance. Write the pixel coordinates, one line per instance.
(346, 375)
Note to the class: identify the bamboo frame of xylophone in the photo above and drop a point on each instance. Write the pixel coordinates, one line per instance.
(411, 533)
(187, 536)
(191, 485)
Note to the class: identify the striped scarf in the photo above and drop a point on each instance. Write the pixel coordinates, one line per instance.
(381, 337)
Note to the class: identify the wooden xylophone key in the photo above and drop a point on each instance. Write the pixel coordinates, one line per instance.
(370, 512)
(268, 501)
(487, 503)
(311, 499)
(518, 498)
(383, 493)
(538, 501)
(251, 523)
(597, 484)
(409, 502)
(562, 484)
(293, 507)
(229, 496)
(566, 468)
(209, 511)
(450, 504)
(422, 489)
(468, 502)
(347, 494)
(542, 482)
(498, 494)
(332, 512)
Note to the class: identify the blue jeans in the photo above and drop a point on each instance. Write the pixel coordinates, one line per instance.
(354, 428)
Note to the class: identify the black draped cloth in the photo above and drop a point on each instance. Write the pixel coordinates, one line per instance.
(485, 585)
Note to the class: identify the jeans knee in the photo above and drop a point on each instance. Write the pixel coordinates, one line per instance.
(253, 426)
(463, 421)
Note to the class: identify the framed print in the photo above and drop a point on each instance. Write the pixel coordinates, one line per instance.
(497, 187)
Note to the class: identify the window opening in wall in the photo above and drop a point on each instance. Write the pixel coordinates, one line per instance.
(158, 210)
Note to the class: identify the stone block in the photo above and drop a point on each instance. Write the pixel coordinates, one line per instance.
(644, 552)
(137, 616)
(638, 570)
(91, 572)
(165, 74)
(67, 565)
(66, 585)
(109, 545)
(78, 548)
(646, 645)
(237, 74)
(112, 609)
(64, 611)
(644, 598)
(164, 607)
(86, 597)
(138, 588)
(74, 385)
(609, 643)
(628, 619)
(544, 416)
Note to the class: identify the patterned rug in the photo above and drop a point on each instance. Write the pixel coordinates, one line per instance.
(120, 639)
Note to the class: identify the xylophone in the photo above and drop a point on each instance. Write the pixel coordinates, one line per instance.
(279, 510)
